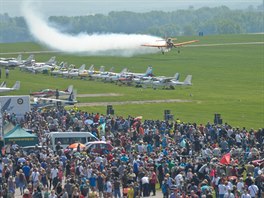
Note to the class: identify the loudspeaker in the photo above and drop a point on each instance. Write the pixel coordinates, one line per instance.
(217, 119)
(109, 110)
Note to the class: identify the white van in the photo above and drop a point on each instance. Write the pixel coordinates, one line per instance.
(67, 138)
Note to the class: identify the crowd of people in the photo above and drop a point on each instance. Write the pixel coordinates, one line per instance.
(177, 158)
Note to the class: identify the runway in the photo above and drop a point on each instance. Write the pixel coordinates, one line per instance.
(196, 45)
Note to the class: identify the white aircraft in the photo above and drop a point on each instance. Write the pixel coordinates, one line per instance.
(6, 89)
(45, 102)
(86, 73)
(12, 62)
(74, 72)
(170, 83)
(112, 77)
(41, 66)
(140, 75)
(148, 80)
(102, 75)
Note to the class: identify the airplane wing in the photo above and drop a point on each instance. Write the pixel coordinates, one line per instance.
(154, 45)
(184, 43)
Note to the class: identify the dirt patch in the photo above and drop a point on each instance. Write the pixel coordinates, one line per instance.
(93, 104)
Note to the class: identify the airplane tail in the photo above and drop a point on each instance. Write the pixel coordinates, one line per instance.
(188, 80)
(149, 71)
(123, 71)
(91, 68)
(73, 96)
(16, 85)
(29, 59)
(112, 69)
(177, 76)
(82, 67)
(3, 84)
(19, 58)
(101, 69)
(69, 89)
(51, 60)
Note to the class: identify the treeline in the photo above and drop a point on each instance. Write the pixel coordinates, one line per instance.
(219, 20)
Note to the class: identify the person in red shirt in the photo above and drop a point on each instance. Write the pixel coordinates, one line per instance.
(153, 180)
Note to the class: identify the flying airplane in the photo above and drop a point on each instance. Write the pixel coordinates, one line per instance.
(48, 102)
(167, 44)
(51, 92)
(6, 89)
(171, 83)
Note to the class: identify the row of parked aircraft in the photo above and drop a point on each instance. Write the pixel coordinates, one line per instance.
(146, 79)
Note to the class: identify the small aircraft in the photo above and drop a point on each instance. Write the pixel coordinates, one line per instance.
(140, 75)
(167, 44)
(85, 73)
(52, 102)
(12, 62)
(51, 92)
(73, 72)
(148, 80)
(6, 89)
(171, 83)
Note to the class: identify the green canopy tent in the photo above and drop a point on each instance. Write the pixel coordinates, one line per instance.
(21, 137)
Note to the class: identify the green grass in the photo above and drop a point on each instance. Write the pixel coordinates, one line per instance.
(226, 79)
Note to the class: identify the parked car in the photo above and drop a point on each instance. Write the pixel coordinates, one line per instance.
(27, 150)
(100, 147)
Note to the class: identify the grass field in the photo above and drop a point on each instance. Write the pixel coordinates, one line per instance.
(227, 79)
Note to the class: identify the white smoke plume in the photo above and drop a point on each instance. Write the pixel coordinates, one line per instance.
(95, 44)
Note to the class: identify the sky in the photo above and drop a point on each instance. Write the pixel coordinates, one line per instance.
(87, 7)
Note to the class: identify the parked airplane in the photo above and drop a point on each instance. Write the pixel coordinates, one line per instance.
(35, 67)
(170, 83)
(74, 72)
(167, 44)
(52, 92)
(12, 62)
(113, 77)
(85, 73)
(140, 75)
(148, 80)
(47, 102)
(15, 87)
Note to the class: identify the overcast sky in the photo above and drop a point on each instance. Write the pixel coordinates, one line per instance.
(84, 7)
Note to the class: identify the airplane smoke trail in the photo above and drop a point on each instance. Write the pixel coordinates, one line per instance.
(96, 44)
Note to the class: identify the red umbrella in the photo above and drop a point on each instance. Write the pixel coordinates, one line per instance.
(226, 159)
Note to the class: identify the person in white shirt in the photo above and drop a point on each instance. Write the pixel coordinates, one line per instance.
(179, 179)
(253, 190)
(222, 189)
(240, 185)
(245, 194)
(54, 172)
(229, 194)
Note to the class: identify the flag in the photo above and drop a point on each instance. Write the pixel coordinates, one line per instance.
(226, 159)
